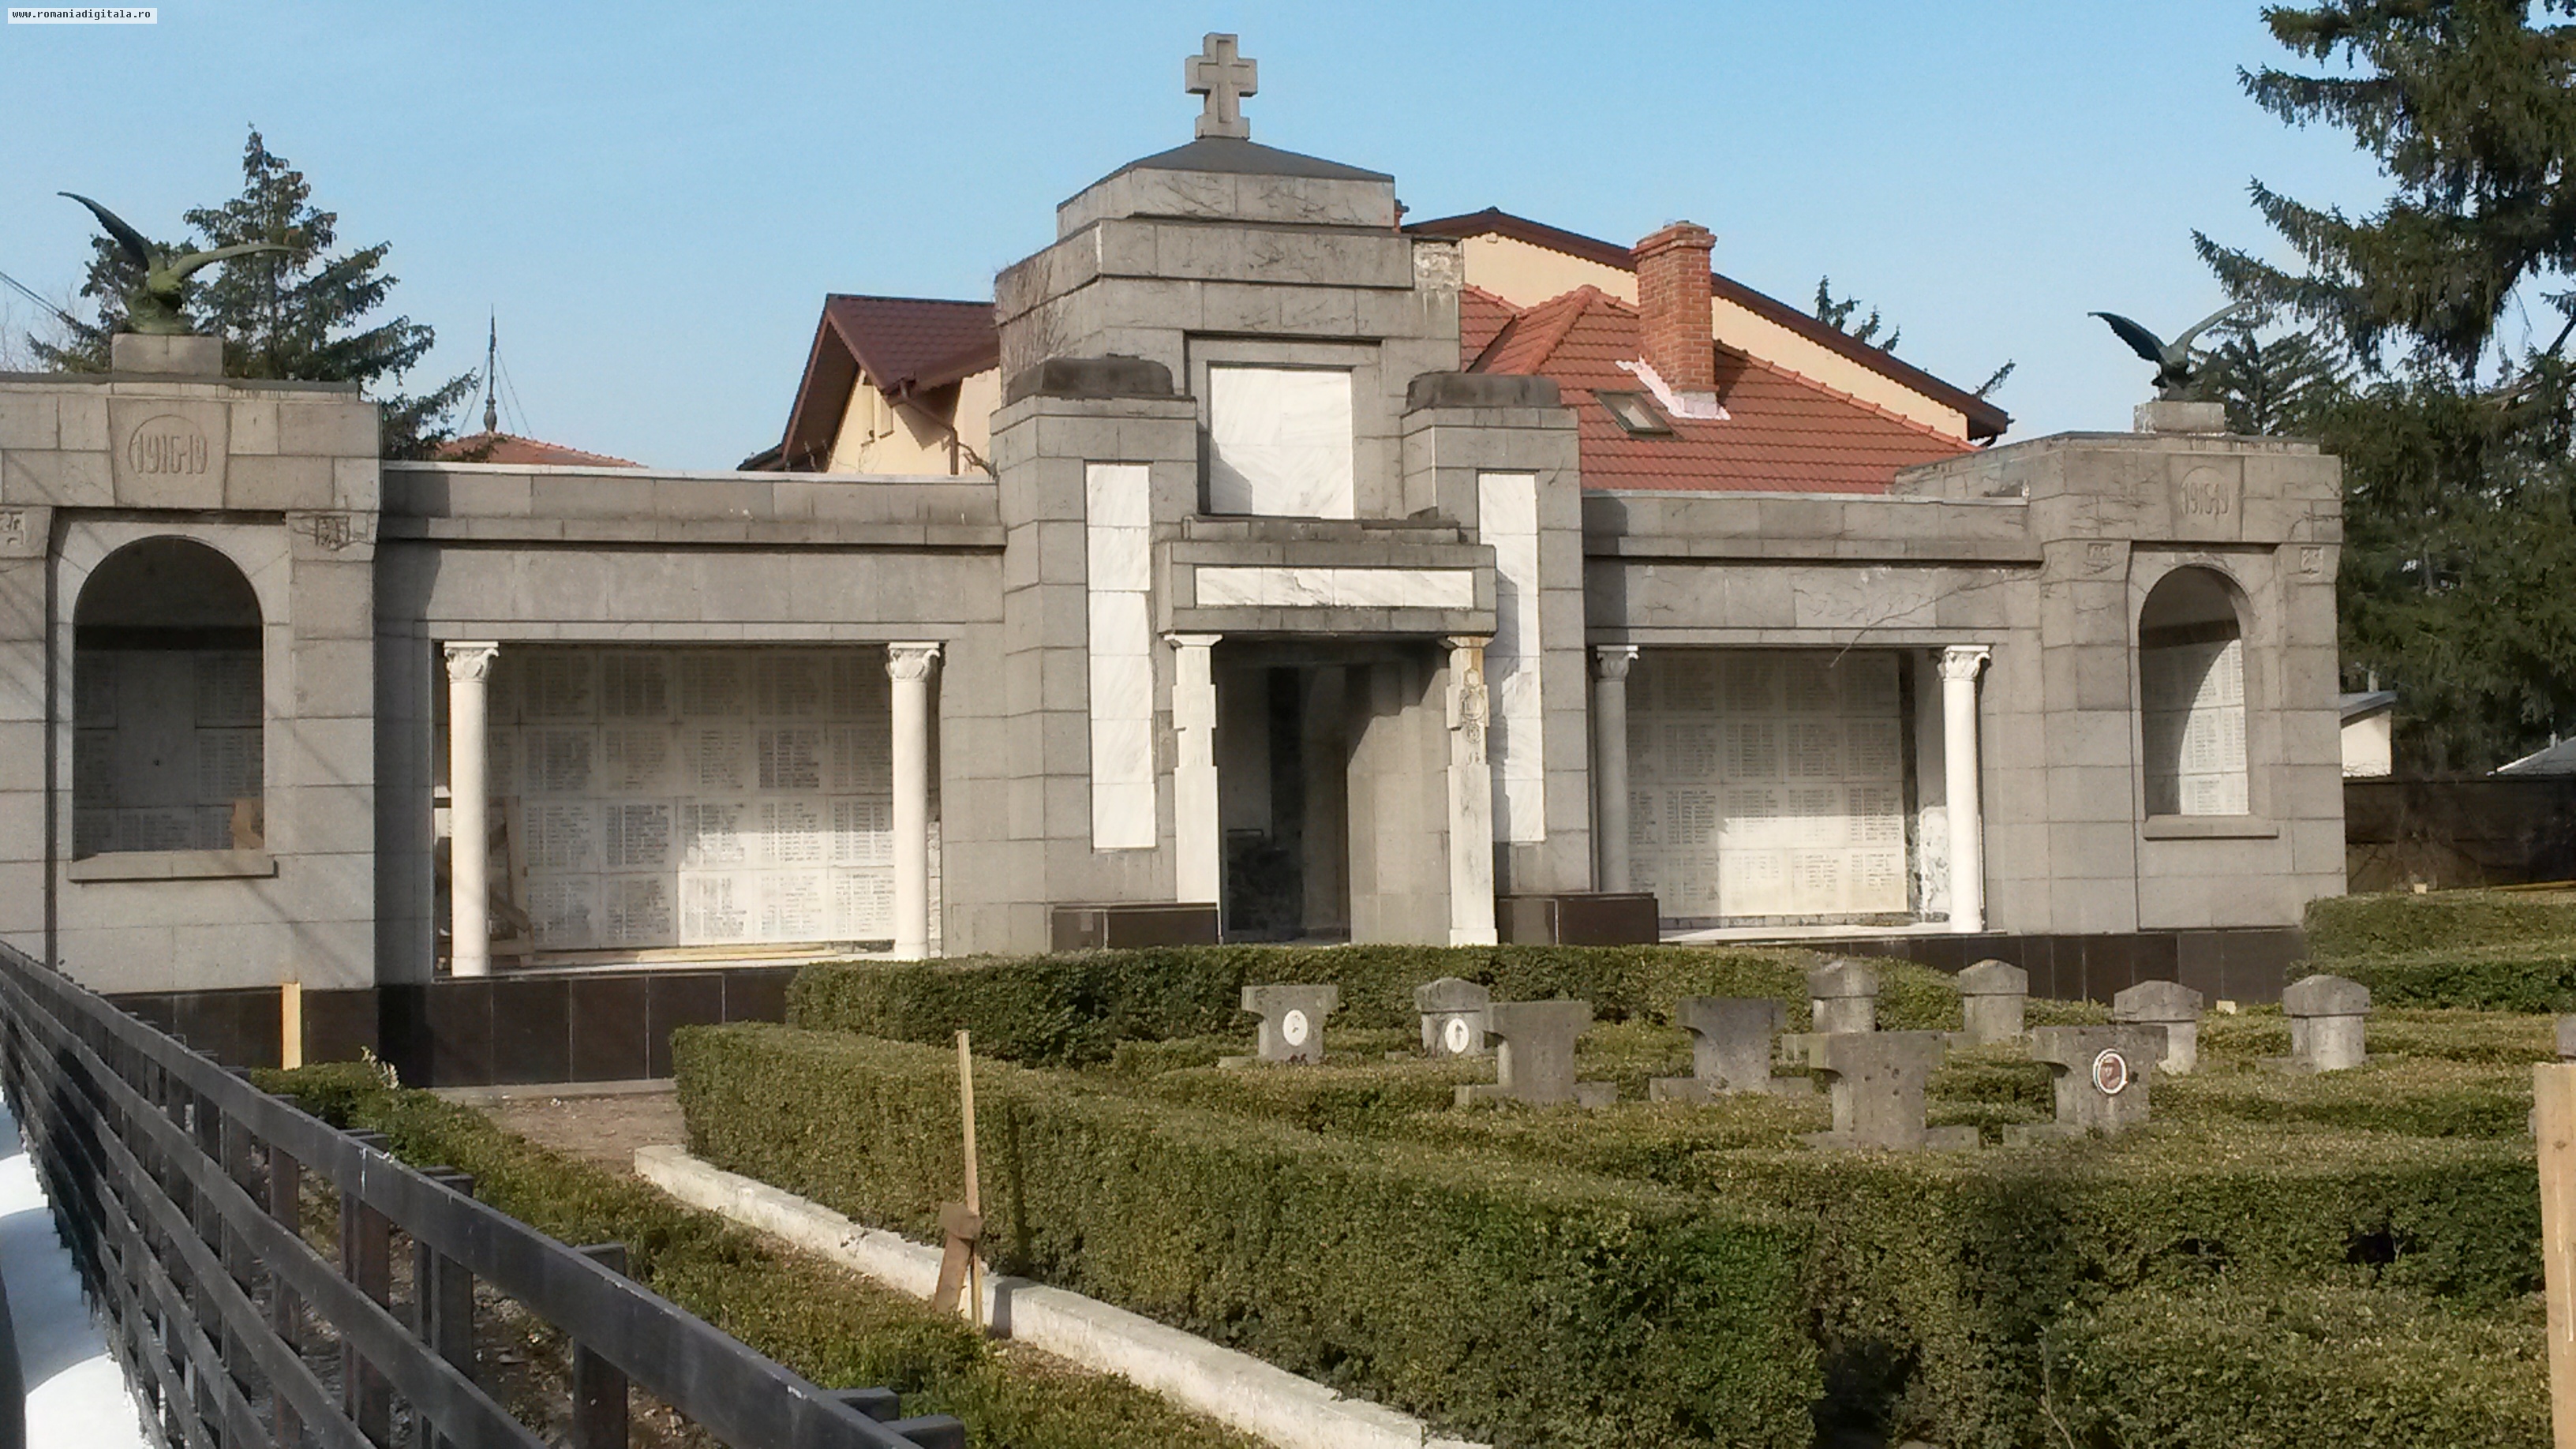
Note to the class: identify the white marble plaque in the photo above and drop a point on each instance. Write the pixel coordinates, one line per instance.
(1279, 587)
(1768, 784)
(1280, 442)
(1118, 533)
(723, 796)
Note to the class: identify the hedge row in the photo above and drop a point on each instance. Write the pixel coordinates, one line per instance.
(2231, 1368)
(1501, 1299)
(830, 1326)
(1078, 1009)
(1934, 1280)
(2346, 928)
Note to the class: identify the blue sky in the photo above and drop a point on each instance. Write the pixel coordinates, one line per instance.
(656, 198)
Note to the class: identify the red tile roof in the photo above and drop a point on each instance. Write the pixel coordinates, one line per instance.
(902, 344)
(1782, 433)
(1985, 420)
(527, 452)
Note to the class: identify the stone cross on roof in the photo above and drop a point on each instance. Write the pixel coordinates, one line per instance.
(1225, 78)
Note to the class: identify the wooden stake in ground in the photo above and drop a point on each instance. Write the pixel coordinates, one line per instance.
(290, 1024)
(2553, 1095)
(962, 1224)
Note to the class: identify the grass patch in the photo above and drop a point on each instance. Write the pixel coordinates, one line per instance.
(828, 1324)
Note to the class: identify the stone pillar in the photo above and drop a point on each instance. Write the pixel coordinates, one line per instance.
(469, 831)
(1959, 666)
(908, 665)
(1610, 761)
(1471, 797)
(1198, 837)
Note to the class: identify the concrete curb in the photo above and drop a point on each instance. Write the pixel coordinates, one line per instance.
(1233, 1388)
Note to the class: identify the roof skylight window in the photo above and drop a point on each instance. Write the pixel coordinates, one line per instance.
(1632, 411)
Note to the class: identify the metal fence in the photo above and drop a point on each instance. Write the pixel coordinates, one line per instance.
(182, 1190)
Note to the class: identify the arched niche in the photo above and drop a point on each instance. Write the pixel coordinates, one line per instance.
(167, 708)
(2191, 695)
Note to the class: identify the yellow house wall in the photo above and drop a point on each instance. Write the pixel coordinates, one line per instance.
(1524, 275)
(901, 438)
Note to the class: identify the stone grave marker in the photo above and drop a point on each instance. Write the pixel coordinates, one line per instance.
(1453, 1016)
(2326, 1014)
(2102, 1074)
(1876, 1080)
(2173, 1006)
(1992, 999)
(1843, 996)
(1534, 1056)
(1292, 1021)
(2567, 1038)
(1731, 1041)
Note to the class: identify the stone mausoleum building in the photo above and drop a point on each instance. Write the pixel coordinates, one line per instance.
(1252, 564)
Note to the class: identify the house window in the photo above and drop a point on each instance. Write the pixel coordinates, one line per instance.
(2191, 696)
(1631, 411)
(1279, 442)
(167, 703)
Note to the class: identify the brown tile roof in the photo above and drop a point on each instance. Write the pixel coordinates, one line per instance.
(527, 452)
(901, 343)
(915, 343)
(1782, 433)
(1985, 420)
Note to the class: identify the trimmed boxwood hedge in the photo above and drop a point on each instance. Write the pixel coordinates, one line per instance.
(1930, 1284)
(2228, 1367)
(2494, 950)
(829, 1325)
(2343, 928)
(1077, 1009)
(1499, 1298)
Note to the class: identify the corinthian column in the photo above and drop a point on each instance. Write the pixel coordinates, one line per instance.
(908, 665)
(469, 831)
(1959, 667)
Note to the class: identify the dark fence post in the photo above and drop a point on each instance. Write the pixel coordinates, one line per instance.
(285, 1308)
(599, 1398)
(366, 1260)
(443, 1294)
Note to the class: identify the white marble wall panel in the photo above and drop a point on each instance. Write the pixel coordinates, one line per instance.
(1118, 545)
(2192, 722)
(1280, 442)
(1335, 588)
(664, 797)
(1507, 520)
(1767, 783)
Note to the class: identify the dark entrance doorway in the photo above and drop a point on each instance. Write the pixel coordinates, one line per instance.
(1283, 790)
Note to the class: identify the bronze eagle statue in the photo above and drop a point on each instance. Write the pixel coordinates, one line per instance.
(157, 307)
(2173, 359)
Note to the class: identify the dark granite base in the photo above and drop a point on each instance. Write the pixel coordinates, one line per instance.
(605, 1026)
(1577, 918)
(1122, 926)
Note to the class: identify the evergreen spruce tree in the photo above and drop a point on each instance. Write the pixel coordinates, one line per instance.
(301, 314)
(2459, 484)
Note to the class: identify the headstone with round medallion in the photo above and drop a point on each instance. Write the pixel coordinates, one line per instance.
(1454, 1013)
(1292, 1019)
(2102, 1075)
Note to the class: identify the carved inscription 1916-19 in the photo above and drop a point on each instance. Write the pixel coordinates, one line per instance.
(167, 443)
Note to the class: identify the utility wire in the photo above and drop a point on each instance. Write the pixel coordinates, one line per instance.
(29, 293)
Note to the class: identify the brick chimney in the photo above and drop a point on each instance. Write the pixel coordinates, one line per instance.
(1673, 317)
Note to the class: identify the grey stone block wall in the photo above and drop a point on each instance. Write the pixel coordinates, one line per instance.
(281, 479)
